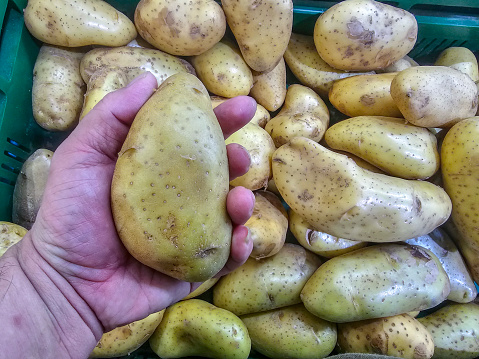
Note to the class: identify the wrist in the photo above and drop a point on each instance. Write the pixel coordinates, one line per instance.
(41, 313)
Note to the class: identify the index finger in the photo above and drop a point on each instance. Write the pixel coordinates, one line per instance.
(235, 113)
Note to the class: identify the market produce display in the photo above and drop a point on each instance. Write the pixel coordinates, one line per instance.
(364, 166)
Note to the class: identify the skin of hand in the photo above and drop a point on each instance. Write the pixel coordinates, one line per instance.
(72, 258)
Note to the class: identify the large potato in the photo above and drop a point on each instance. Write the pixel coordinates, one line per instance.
(10, 233)
(376, 281)
(29, 187)
(58, 88)
(304, 114)
(133, 60)
(267, 225)
(309, 68)
(398, 148)
(178, 27)
(74, 23)
(438, 242)
(359, 35)
(338, 197)
(321, 243)
(167, 218)
(454, 329)
(401, 336)
(290, 332)
(127, 338)
(267, 283)
(260, 146)
(460, 175)
(364, 95)
(223, 70)
(434, 96)
(459, 58)
(261, 28)
(194, 327)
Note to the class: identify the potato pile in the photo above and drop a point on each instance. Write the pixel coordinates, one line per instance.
(360, 223)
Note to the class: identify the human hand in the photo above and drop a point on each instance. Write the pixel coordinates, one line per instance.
(74, 231)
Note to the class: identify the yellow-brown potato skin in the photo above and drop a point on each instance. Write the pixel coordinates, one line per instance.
(10, 233)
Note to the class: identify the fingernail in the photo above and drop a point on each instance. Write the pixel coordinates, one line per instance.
(138, 78)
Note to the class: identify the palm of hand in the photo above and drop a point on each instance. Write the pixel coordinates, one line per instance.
(75, 229)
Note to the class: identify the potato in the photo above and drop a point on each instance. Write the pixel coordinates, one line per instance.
(351, 202)
(102, 82)
(425, 95)
(133, 60)
(377, 281)
(206, 285)
(400, 336)
(127, 338)
(358, 160)
(10, 233)
(74, 23)
(309, 68)
(304, 114)
(29, 187)
(367, 35)
(290, 332)
(268, 225)
(454, 329)
(364, 95)
(388, 143)
(459, 58)
(321, 243)
(194, 327)
(267, 283)
(260, 118)
(438, 242)
(261, 28)
(58, 88)
(168, 219)
(260, 146)
(401, 64)
(223, 70)
(460, 175)
(180, 28)
(269, 87)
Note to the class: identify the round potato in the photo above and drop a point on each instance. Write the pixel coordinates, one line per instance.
(10, 233)
(180, 28)
(358, 35)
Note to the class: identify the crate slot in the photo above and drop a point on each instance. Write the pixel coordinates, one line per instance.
(457, 12)
(10, 168)
(13, 156)
(19, 145)
(9, 41)
(7, 181)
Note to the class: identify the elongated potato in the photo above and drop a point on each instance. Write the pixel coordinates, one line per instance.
(58, 88)
(304, 114)
(290, 332)
(267, 225)
(460, 175)
(267, 283)
(223, 70)
(364, 35)
(364, 95)
(269, 87)
(309, 68)
(377, 281)
(29, 187)
(10, 233)
(398, 148)
(180, 28)
(434, 96)
(454, 329)
(130, 59)
(261, 28)
(74, 23)
(401, 336)
(459, 58)
(438, 242)
(338, 197)
(321, 243)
